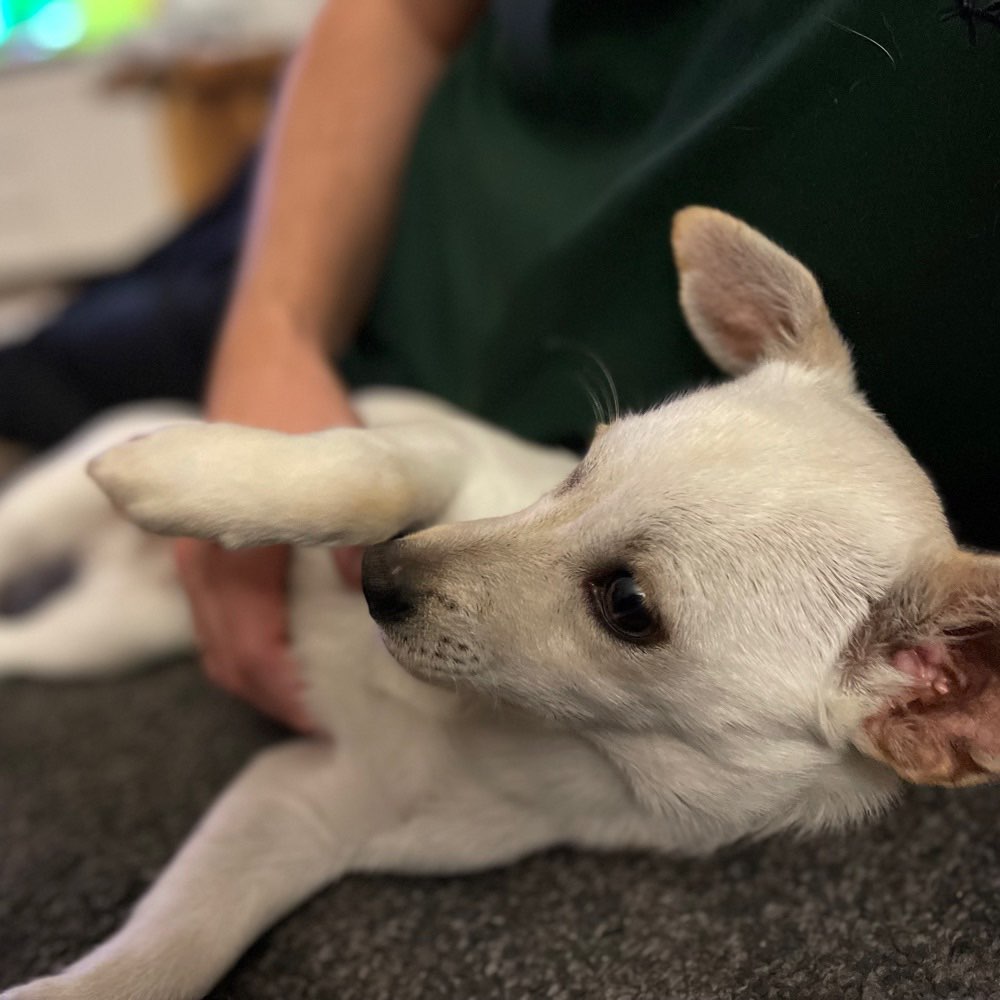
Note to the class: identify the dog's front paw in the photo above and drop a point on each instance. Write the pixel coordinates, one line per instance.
(165, 481)
(217, 481)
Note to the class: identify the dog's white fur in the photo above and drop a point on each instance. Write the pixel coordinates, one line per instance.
(807, 594)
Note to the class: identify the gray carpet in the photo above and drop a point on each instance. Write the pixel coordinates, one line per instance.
(99, 782)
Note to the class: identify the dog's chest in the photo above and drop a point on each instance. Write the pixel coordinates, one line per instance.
(349, 674)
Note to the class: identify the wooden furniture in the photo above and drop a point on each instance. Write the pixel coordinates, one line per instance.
(215, 107)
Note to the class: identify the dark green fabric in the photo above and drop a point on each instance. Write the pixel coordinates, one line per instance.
(534, 231)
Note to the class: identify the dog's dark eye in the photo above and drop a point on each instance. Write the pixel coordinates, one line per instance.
(622, 606)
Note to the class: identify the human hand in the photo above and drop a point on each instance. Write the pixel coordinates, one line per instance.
(240, 615)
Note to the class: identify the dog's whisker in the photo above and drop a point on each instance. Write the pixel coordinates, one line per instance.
(616, 410)
(610, 402)
(609, 394)
(861, 34)
(597, 405)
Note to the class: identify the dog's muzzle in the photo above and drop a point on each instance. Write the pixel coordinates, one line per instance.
(385, 581)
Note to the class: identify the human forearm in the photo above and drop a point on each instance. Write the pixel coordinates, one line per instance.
(333, 166)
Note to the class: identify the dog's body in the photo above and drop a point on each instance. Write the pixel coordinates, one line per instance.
(727, 620)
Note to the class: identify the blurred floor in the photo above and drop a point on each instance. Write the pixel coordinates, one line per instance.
(101, 782)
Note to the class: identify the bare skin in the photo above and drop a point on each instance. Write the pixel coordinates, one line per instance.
(321, 221)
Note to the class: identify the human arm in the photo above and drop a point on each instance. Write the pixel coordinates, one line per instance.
(321, 220)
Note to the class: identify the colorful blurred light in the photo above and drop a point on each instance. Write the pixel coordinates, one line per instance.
(56, 25)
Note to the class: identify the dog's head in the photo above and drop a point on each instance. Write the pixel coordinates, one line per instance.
(755, 580)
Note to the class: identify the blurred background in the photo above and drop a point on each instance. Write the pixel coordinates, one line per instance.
(119, 120)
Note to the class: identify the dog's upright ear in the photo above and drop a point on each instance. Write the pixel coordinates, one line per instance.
(748, 301)
(929, 657)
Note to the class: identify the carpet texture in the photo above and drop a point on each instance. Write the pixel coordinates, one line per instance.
(99, 783)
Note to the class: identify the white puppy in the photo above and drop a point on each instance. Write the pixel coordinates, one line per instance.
(743, 611)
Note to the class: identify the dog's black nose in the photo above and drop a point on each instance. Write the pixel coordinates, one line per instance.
(390, 597)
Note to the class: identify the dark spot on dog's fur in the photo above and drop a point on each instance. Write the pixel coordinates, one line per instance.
(571, 481)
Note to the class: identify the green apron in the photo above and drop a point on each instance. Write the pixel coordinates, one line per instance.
(532, 244)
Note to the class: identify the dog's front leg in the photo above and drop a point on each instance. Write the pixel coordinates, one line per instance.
(291, 822)
(244, 487)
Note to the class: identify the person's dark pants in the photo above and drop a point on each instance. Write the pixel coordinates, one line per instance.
(146, 333)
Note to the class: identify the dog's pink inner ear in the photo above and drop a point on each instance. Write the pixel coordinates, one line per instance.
(930, 667)
(740, 331)
(944, 728)
(747, 301)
